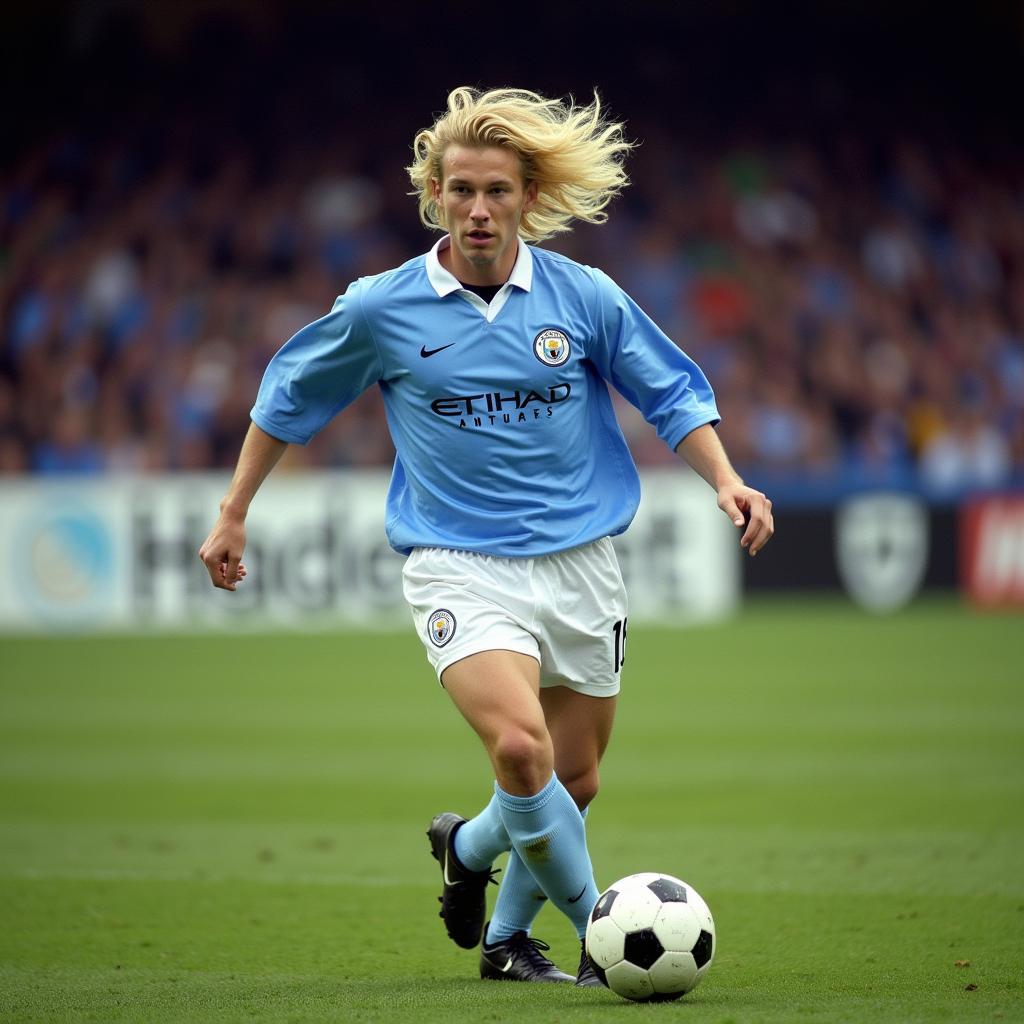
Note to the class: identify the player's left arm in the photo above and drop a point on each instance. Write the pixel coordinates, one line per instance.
(744, 505)
(673, 394)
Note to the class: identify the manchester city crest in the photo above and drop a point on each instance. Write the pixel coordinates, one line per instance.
(441, 627)
(551, 346)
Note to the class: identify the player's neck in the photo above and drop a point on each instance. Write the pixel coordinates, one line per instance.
(484, 276)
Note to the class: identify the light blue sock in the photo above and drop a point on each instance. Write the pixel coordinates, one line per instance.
(482, 839)
(547, 832)
(519, 900)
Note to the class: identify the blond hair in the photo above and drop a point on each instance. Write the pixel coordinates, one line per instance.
(572, 153)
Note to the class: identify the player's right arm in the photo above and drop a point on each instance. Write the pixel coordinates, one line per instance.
(221, 552)
(313, 376)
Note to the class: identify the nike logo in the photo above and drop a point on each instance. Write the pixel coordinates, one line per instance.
(447, 880)
(426, 353)
(576, 899)
(505, 969)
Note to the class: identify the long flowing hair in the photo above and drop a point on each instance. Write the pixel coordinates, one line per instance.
(573, 153)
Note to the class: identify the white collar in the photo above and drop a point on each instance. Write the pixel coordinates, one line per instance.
(444, 282)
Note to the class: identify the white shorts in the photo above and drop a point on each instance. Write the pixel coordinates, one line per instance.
(567, 610)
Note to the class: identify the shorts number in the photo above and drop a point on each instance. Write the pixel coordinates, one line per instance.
(619, 629)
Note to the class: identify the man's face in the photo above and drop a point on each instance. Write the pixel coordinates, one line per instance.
(482, 196)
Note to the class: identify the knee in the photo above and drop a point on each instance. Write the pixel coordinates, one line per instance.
(583, 787)
(522, 760)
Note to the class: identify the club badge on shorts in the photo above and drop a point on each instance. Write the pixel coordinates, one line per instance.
(441, 627)
(551, 347)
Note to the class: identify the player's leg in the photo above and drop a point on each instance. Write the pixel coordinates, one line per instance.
(460, 601)
(499, 699)
(580, 726)
(453, 599)
(481, 839)
(498, 694)
(582, 650)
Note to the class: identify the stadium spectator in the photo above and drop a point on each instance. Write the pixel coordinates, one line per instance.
(855, 312)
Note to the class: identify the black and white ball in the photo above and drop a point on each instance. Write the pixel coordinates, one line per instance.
(651, 937)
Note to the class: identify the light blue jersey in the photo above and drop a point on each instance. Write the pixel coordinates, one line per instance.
(506, 441)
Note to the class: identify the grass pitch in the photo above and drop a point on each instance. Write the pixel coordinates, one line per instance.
(231, 829)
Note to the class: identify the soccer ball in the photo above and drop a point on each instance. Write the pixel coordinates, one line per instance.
(650, 937)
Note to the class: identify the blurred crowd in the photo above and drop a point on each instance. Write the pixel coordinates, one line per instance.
(859, 308)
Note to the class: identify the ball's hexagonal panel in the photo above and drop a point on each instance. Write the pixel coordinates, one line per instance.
(626, 979)
(668, 889)
(642, 948)
(704, 949)
(603, 907)
(635, 908)
(605, 942)
(677, 927)
(673, 974)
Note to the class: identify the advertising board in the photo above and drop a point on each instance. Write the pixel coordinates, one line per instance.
(121, 553)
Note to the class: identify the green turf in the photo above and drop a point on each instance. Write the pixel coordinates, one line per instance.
(219, 829)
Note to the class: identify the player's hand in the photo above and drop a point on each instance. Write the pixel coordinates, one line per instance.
(221, 553)
(751, 510)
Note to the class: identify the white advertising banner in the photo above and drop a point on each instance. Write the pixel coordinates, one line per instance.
(121, 553)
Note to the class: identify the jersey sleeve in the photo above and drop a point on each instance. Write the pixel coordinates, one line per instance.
(647, 367)
(317, 372)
